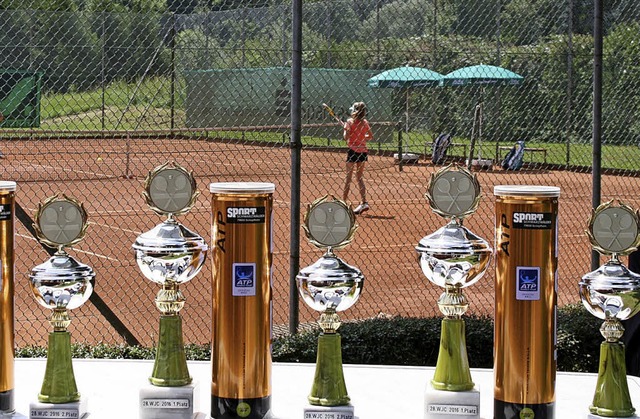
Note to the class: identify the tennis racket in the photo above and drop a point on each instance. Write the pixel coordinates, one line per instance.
(332, 113)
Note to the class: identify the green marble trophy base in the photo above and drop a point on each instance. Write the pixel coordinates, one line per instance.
(612, 399)
(329, 388)
(451, 391)
(170, 366)
(452, 369)
(59, 385)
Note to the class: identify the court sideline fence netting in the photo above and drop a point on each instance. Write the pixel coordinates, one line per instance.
(95, 94)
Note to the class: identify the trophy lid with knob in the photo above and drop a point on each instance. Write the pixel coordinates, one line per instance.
(612, 291)
(330, 284)
(61, 283)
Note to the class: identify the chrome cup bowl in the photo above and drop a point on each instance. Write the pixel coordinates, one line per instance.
(453, 256)
(61, 282)
(330, 284)
(611, 292)
(170, 252)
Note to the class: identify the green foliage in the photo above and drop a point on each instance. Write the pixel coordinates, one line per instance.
(402, 19)
(415, 341)
(108, 351)
(579, 339)
(83, 44)
(388, 341)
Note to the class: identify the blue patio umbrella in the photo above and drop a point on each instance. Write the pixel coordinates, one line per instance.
(480, 75)
(406, 78)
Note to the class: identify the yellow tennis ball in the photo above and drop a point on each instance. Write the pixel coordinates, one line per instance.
(99, 158)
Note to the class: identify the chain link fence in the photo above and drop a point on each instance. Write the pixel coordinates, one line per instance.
(94, 94)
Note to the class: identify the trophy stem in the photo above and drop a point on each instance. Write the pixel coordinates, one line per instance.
(612, 397)
(60, 320)
(452, 369)
(329, 388)
(170, 366)
(59, 385)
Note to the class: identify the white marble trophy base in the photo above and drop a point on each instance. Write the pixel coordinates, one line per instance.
(74, 410)
(329, 412)
(440, 404)
(169, 402)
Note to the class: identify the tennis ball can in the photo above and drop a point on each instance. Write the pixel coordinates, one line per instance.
(241, 299)
(7, 377)
(525, 356)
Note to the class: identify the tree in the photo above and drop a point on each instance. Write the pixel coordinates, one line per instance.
(400, 19)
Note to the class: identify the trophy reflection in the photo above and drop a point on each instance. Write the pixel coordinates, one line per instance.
(60, 284)
(329, 286)
(453, 258)
(612, 293)
(170, 255)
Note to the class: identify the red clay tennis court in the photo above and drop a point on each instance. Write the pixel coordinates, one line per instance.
(108, 176)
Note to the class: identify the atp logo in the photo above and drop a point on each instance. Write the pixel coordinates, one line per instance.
(528, 280)
(244, 279)
(528, 283)
(244, 276)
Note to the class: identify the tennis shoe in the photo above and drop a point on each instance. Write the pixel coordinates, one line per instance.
(361, 208)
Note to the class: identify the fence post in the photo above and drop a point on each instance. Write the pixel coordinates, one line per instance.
(569, 82)
(597, 115)
(172, 43)
(296, 146)
(102, 69)
(399, 127)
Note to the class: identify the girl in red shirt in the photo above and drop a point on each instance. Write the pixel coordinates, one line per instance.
(356, 133)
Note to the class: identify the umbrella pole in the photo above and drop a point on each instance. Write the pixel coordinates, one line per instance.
(406, 111)
(472, 148)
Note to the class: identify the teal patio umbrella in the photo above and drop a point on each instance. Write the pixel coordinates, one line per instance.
(406, 78)
(480, 75)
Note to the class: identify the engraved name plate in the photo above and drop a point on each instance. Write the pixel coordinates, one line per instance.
(450, 409)
(53, 413)
(333, 412)
(165, 403)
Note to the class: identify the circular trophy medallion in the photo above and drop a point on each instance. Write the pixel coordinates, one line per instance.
(614, 229)
(329, 222)
(60, 221)
(170, 189)
(453, 192)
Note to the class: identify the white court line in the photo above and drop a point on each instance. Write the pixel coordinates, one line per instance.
(76, 250)
(115, 228)
(71, 170)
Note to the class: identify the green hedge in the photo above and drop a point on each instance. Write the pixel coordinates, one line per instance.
(415, 341)
(391, 341)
